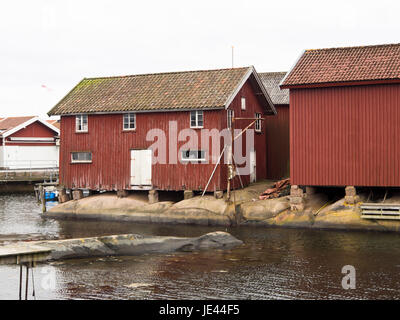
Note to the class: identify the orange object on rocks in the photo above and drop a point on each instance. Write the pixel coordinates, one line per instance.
(280, 188)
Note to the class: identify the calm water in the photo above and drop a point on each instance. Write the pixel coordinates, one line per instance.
(273, 263)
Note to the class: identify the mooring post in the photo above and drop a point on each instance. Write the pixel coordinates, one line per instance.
(42, 198)
(20, 282)
(27, 282)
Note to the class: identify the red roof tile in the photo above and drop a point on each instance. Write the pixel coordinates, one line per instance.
(348, 64)
(159, 91)
(54, 123)
(12, 122)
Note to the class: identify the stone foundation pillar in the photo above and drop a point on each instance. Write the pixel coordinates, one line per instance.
(351, 196)
(296, 198)
(122, 193)
(77, 194)
(153, 196)
(187, 194)
(218, 194)
(310, 190)
(63, 196)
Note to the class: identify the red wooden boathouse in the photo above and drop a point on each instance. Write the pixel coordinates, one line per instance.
(105, 123)
(277, 127)
(344, 117)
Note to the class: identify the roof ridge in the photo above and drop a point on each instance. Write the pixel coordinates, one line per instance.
(161, 73)
(354, 47)
(272, 72)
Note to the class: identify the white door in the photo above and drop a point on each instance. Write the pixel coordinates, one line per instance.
(253, 176)
(141, 167)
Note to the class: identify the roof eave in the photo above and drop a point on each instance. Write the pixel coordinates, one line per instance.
(340, 83)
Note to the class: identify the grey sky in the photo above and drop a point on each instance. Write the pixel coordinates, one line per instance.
(57, 43)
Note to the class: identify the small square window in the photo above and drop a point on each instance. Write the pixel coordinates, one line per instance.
(231, 115)
(258, 122)
(193, 155)
(129, 121)
(81, 124)
(81, 157)
(196, 119)
(243, 103)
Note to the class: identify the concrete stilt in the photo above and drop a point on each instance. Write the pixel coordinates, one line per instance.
(218, 194)
(188, 194)
(153, 196)
(122, 193)
(296, 198)
(77, 194)
(351, 196)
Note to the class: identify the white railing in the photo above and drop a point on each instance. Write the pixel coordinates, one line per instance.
(28, 164)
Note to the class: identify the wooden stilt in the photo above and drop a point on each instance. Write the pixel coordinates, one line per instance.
(20, 282)
(26, 282)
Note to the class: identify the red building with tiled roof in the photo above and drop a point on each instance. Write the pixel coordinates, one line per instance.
(344, 117)
(28, 142)
(109, 128)
(277, 127)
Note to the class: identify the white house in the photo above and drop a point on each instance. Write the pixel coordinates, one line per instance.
(28, 142)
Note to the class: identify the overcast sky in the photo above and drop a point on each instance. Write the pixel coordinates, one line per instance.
(47, 46)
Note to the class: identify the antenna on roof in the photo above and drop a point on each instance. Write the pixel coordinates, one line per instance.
(232, 56)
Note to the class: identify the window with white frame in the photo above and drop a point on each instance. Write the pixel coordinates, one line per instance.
(193, 155)
(243, 103)
(196, 119)
(81, 124)
(129, 121)
(231, 115)
(258, 122)
(81, 157)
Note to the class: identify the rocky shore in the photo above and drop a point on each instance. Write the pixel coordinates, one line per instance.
(243, 209)
(132, 244)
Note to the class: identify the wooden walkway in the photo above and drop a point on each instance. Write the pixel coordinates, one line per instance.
(23, 253)
(29, 175)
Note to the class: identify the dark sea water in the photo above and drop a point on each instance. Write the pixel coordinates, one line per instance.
(273, 263)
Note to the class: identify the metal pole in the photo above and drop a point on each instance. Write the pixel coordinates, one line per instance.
(27, 282)
(209, 180)
(228, 191)
(20, 282)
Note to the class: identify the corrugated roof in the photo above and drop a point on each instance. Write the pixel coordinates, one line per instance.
(159, 91)
(12, 122)
(348, 64)
(271, 81)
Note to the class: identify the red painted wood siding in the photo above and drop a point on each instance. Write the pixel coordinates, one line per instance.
(252, 106)
(110, 147)
(34, 130)
(345, 136)
(277, 144)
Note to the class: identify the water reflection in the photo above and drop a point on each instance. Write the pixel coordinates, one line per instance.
(273, 263)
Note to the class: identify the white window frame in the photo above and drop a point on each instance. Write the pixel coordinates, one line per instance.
(243, 103)
(79, 122)
(258, 123)
(81, 161)
(230, 115)
(129, 121)
(196, 112)
(193, 159)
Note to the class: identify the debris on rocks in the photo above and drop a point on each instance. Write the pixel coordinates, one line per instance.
(281, 188)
